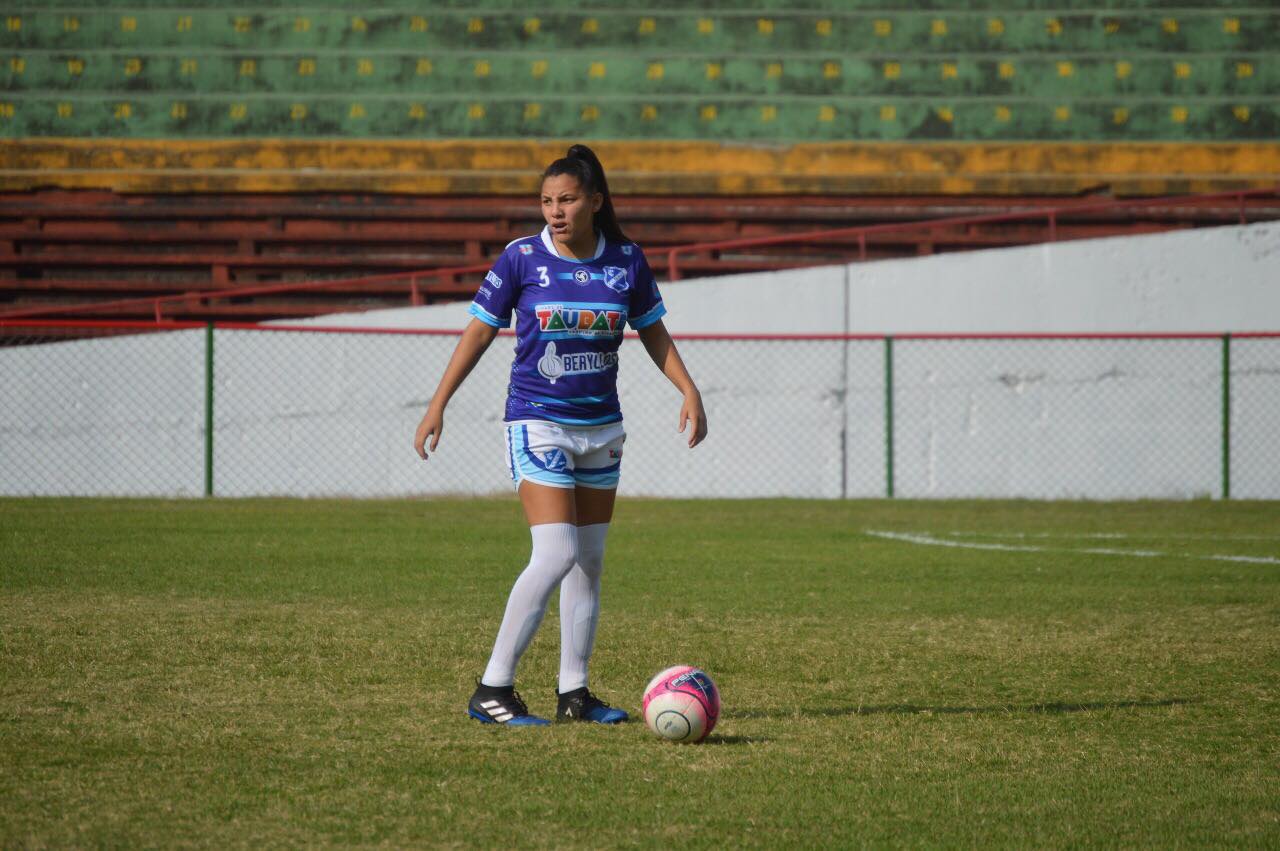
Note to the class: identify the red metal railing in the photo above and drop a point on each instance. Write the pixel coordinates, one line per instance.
(1051, 214)
(158, 303)
(444, 276)
(188, 325)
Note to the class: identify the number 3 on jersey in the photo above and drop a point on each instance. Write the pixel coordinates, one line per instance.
(543, 280)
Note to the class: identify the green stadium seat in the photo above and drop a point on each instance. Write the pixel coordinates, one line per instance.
(838, 71)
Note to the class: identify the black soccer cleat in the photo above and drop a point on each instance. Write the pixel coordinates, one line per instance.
(501, 705)
(582, 705)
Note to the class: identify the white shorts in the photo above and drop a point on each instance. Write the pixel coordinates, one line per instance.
(565, 456)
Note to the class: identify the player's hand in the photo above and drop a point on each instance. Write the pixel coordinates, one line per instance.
(431, 426)
(691, 412)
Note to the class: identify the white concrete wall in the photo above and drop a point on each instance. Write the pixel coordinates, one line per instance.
(1214, 279)
(1208, 279)
(313, 414)
(120, 415)
(1103, 419)
(733, 304)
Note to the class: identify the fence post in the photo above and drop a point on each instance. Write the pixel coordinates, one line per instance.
(208, 409)
(844, 384)
(888, 416)
(1226, 416)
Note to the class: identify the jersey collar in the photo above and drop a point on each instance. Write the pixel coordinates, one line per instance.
(551, 247)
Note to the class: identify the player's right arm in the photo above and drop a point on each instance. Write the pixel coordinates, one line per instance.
(495, 300)
(475, 339)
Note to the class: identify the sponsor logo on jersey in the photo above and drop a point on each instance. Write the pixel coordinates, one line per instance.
(526, 249)
(581, 277)
(553, 365)
(578, 321)
(550, 365)
(616, 279)
(484, 291)
(493, 279)
(584, 362)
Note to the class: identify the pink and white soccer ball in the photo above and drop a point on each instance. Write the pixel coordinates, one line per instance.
(682, 704)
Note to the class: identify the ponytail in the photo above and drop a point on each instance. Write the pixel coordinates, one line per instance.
(582, 163)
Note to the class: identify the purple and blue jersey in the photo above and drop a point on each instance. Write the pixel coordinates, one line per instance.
(570, 315)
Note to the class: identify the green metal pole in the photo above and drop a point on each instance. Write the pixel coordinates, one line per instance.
(1226, 416)
(208, 409)
(888, 416)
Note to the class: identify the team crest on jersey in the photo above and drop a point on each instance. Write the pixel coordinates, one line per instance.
(581, 277)
(616, 279)
(526, 249)
(572, 321)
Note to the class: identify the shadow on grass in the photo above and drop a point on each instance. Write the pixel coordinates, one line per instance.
(1052, 708)
(733, 740)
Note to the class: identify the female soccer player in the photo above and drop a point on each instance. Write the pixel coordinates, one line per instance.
(573, 289)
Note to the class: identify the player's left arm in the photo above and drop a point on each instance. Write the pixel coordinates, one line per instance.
(658, 343)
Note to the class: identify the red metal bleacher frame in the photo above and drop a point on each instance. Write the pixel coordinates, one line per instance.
(849, 242)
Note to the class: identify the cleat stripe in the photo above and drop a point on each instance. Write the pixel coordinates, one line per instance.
(489, 704)
(504, 717)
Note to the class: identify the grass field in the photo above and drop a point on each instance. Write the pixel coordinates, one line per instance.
(247, 673)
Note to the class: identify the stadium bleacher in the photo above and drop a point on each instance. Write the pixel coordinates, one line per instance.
(768, 73)
(730, 101)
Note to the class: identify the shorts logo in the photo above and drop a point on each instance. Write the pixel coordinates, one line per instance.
(555, 461)
(615, 454)
(581, 277)
(616, 279)
(526, 249)
(578, 321)
(493, 279)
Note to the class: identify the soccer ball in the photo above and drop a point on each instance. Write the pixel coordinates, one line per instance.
(681, 704)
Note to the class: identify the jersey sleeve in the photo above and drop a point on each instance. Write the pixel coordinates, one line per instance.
(498, 292)
(646, 302)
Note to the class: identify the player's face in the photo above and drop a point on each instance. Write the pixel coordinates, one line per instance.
(567, 209)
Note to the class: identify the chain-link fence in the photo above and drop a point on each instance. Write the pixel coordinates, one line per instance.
(186, 410)
(90, 409)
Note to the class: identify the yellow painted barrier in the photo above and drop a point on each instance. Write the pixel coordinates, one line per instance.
(709, 168)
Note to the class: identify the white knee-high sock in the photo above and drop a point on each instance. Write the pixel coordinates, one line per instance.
(580, 607)
(555, 549)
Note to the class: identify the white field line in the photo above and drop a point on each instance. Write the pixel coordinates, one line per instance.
(1108, 536)
(932, 541)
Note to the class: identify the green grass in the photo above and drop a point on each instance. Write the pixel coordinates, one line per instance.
(251, 673)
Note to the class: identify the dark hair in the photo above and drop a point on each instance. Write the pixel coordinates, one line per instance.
(581, 162)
